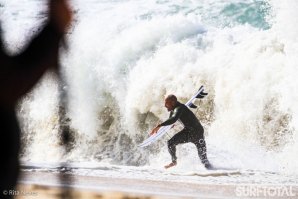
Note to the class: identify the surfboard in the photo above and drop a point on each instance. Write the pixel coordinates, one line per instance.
(190, 103)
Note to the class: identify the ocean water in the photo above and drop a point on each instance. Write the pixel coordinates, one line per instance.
(124, 57)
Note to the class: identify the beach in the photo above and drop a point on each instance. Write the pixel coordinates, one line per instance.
(120, 182)
(131, 188)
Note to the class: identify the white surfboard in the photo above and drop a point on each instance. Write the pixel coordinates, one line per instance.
(199, 94)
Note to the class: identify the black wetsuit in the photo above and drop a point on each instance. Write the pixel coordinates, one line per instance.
(193, 132)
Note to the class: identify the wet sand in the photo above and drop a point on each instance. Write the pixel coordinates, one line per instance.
(43, 184)
(50, 185)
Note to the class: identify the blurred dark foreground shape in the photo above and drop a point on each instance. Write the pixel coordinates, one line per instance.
(18, 74)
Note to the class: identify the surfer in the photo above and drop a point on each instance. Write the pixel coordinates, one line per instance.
(192, 132)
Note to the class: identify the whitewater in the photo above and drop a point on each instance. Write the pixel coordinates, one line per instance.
(124, 57)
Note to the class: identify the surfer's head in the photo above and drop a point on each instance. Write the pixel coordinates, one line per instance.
(170, 102)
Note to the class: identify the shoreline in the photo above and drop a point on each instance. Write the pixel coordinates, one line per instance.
(48, 184)
(125, 186)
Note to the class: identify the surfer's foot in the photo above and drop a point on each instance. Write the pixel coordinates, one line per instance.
(171, 165)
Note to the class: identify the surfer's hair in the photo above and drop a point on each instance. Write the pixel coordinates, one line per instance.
(171, 97)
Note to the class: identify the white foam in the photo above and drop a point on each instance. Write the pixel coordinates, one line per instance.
(124, 57)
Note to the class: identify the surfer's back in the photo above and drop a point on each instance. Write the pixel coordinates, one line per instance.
(188, 118)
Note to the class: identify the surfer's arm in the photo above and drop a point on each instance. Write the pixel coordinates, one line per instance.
(173, 118)
(154, 130)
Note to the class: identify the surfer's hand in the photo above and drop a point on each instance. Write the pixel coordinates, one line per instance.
(154, 130)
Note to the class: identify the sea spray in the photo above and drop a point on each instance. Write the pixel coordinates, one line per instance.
(125, 57)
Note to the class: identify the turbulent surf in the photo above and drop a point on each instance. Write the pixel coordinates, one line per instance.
(124, 57)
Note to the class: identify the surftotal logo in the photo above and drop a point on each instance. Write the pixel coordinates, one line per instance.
(264, 191)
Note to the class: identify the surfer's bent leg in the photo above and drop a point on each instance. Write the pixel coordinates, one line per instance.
(202, 151)
(179, 138)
